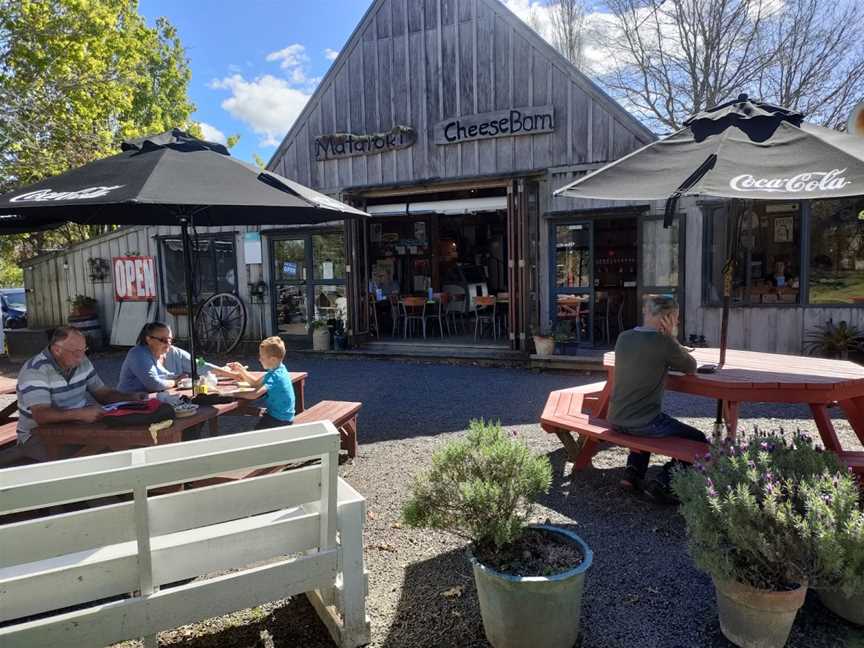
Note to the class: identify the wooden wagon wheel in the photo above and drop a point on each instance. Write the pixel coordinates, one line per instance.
(220, 323)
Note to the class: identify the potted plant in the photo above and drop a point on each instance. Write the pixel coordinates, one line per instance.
(748, 529)
(563, 335)
(320, 335)
(82, 306)
(837, 527)
(340, 339)
(833, 340)
(529, 578)
(543, 344)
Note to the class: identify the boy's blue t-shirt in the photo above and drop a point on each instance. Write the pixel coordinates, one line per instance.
(280, 394)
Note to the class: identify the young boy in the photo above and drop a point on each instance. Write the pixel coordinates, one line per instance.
(274, 386)
(643, 356)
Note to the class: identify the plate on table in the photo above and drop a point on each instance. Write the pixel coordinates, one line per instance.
(185, 409)
(185, 383)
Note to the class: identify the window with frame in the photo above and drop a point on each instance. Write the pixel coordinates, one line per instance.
(836, 254)
(767, 265)
(214, 266)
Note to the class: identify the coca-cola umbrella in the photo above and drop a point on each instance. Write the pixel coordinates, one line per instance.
(741, 150)
(168, 179)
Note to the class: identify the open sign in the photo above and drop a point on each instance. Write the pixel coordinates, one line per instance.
(134, 278)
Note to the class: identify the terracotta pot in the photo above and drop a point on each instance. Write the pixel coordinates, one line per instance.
(754, 618)
(850, 608)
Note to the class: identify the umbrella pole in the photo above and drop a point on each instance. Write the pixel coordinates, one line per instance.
(187, 260)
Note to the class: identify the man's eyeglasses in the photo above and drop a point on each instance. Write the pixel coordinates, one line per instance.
(80, 351)
(165, 340)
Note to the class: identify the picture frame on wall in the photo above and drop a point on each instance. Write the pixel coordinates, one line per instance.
(784, 229)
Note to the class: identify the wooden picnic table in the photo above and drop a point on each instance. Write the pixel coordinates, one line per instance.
(97, 437)
(8, 386)
(753, 377)
(225, 387)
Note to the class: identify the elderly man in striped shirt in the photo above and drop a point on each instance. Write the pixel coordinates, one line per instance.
(53, 388)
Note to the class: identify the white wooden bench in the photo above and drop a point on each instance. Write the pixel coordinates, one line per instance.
(66, 578)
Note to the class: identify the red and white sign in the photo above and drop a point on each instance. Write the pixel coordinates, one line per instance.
(134, 278)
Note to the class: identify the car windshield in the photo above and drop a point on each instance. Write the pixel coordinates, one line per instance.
(15, 300)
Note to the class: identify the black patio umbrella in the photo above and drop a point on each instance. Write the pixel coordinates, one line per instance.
(168, 179)
(742, 150)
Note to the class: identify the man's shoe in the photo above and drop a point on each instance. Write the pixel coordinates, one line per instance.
(631, 480)
(660, 492)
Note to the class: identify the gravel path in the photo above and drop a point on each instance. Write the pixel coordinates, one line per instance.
(642, 590)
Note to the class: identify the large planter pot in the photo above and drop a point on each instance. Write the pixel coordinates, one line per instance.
(532, 611)
(321, 339)
(754, 618)
(850, 608)
(545, 345)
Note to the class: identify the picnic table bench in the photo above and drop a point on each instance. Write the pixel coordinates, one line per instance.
(66, 578)
(569, 411)
(747, 376)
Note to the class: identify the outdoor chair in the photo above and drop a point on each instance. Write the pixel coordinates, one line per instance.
(454, 312)
(484, 313)
(395, 313)
(502, 314)
(434, 313)
(609, 310)
(413, 310)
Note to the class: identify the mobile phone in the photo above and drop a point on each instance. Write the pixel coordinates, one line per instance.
(707, 369)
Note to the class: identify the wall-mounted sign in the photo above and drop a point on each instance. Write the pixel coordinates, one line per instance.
(504, 123)
(134, 278)
(341, 145)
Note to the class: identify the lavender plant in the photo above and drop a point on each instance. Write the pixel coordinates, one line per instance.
(750, 508)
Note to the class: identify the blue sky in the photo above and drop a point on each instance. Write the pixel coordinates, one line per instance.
(256, 62)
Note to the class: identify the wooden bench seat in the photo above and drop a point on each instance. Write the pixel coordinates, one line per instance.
(342, 414)
(564, 415)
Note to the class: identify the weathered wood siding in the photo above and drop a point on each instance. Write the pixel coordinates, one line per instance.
(51, 280)
(417, 62)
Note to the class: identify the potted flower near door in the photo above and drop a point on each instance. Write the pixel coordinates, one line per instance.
(543, 344)
(82, 306)
(748, 528)
(529, 578)
(320, 335)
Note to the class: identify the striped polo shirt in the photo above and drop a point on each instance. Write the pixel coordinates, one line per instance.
(41, 381)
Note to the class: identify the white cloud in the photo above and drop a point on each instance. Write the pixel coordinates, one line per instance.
(331, 54)
(291, 57)
(212, 134)
(269, 105)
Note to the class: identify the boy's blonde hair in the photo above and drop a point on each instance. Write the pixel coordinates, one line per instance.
(273, 347)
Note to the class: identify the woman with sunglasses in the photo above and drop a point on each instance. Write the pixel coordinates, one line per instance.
(154, 364)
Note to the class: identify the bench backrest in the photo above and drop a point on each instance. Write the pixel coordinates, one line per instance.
(108, 550)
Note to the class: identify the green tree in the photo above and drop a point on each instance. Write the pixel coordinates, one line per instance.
(76, 78)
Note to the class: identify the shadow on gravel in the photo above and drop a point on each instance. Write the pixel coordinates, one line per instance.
(437, 606)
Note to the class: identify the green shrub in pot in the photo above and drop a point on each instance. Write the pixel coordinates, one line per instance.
(482, 487)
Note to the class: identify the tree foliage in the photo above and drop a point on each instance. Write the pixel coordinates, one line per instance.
(76, 78)
(670, 59)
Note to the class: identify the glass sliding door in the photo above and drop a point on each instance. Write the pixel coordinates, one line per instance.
(572, 275)
(661, 261)
(309, 280)
(289, 279)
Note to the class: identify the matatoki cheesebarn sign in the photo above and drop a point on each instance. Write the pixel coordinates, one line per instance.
(504, 123)
(341, 145)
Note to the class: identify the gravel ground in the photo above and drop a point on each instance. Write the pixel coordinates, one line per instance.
(642, 589)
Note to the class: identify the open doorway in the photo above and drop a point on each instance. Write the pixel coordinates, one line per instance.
(438, 271)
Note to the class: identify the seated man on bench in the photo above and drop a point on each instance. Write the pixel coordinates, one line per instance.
(643, 356)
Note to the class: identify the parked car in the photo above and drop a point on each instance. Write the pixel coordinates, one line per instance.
(13, 302)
